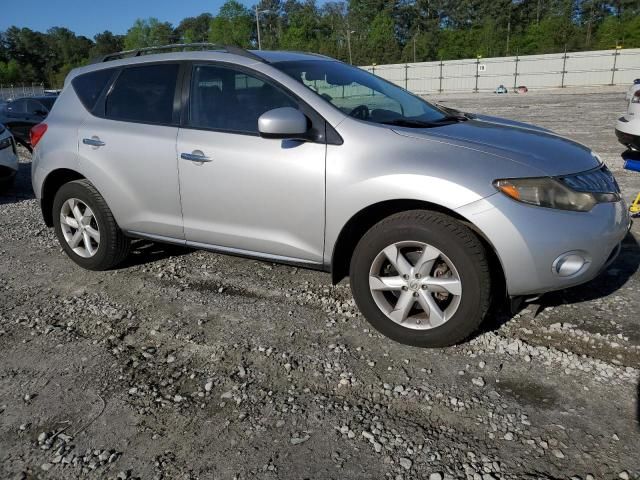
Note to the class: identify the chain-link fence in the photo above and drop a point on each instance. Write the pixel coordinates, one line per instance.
(9, 92)
(558, 70)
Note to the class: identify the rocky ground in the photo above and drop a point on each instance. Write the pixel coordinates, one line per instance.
(190, 365)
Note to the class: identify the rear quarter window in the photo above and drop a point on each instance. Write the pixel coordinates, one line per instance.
(89, 86)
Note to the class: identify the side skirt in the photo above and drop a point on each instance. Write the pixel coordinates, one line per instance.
(236, 252)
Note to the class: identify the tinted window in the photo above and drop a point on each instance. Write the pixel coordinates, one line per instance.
(17, 106)
(89, 86)
(48, 101)
(227, 99)
(34, 107)
(144, 94)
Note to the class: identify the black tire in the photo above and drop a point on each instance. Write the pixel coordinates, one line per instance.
(454, 240)
(114, 245)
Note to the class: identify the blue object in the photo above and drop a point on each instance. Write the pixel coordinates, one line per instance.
(632, 165)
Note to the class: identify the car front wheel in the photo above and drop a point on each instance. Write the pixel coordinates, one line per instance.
(86, 228)
(421, 278)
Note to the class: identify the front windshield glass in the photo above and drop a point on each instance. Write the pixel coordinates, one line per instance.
(361, 94)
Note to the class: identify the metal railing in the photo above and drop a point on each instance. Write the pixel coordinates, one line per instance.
(558, 70)
(10, 92)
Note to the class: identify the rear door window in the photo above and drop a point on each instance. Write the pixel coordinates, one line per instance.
(90, 85)
(144, 94)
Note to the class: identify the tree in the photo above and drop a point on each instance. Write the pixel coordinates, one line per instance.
(148, 33)
(382, 46)
(194, 29)
(232, 26)
(106, 43)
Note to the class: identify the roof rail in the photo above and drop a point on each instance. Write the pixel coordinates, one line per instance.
(179, 46)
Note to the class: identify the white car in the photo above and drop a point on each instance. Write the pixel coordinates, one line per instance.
(635, 86)
(628, 126)
(8, 158)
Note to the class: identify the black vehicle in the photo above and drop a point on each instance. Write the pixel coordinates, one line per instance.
(21, 114)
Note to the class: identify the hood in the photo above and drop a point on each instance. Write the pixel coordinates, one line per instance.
(535, 147)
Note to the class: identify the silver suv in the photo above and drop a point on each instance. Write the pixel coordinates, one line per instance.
(301, 159)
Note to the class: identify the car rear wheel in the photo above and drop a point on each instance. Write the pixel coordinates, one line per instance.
(421, 278)
(86, 229)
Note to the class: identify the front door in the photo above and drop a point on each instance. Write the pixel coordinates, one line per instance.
(241, 192)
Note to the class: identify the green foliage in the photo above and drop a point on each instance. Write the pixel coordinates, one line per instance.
(232, 26)
(148, 33)
(378, 31)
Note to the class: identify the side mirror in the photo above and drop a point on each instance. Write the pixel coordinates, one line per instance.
(285, 122)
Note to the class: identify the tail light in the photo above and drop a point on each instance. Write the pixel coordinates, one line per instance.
(37, 133)
(636, 97)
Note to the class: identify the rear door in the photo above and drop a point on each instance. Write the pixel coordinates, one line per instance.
(127, 147)
(252, 195)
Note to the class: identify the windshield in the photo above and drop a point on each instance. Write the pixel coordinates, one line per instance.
(363, 95)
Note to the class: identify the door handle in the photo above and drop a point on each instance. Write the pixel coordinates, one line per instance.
(93, 141)
(196, 156)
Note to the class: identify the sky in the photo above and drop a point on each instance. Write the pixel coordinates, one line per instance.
(88, 17)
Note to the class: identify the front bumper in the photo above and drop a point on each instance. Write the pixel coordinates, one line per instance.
(529, 240)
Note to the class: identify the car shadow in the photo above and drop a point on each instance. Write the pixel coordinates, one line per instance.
(145, 251)
(609, 281)
(21, 189)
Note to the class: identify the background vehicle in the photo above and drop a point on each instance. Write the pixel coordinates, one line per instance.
(628, 126)
(8, 159)
(635, 86)
(21, 114)
(301, 159)
(501, 89)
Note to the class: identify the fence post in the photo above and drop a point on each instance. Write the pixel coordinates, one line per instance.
(564, 67)
(441, 77)
(515, 75)
(615, 61)
(475, 90)
(406, 77)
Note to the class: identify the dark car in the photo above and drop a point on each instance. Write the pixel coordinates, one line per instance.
(21, 114)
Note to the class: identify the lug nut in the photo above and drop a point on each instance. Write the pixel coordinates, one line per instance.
(418, 275)
(424, 287)
(404, 287)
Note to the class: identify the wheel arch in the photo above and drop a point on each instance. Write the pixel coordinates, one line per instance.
(52, 183)
(366, 218)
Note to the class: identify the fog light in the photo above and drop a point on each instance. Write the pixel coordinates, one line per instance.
(569, 264)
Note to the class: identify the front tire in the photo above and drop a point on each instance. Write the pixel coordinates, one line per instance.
(421, 278)
(86, 228)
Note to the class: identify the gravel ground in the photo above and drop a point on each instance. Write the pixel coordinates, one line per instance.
(188, 365)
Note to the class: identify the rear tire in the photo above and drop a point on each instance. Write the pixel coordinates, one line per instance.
(435, 290)
(86, 228)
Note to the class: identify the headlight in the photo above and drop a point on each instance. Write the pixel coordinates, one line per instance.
(579, 192)
(5, 143)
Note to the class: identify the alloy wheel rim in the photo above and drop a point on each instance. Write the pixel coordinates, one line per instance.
(80, 227)
(415, 285)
